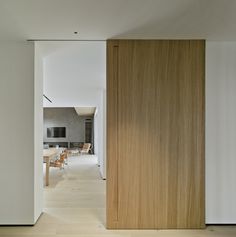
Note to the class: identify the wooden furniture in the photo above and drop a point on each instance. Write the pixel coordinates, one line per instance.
(155, 134)
(86, 148)
(59, 162)
(66, 152)
(48, 156)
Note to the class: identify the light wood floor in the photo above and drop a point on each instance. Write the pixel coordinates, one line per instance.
(75, 206)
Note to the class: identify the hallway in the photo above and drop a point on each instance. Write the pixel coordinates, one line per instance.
(75, 206)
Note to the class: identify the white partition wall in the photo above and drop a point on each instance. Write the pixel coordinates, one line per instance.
(17, 133)
(38, 132)
(221, 132)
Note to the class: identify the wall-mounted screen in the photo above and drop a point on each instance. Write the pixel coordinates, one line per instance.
(56, 132)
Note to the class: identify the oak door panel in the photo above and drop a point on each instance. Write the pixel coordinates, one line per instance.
(155, 134)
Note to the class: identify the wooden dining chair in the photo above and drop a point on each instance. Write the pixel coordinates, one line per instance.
(86, 148)
(66, 156)
(59, 162)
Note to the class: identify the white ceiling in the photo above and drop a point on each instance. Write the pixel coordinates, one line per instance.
(103, 19)
(85, 111)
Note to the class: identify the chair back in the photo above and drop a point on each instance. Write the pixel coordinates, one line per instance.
(86, 147)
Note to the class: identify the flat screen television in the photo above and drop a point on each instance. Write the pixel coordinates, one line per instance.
(56, 132)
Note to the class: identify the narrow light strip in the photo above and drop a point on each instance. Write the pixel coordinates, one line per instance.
(47, 98)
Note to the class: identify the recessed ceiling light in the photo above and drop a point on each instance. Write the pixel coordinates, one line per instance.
(75, 32)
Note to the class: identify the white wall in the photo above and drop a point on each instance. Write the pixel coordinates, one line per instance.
(96, 135)
(221, 132)
(21, 123)
(103, 137)
(100, 129)
(38, 133)
(17, 133)
(71, 68)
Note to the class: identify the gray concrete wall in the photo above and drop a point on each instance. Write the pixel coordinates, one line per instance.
(64, 117)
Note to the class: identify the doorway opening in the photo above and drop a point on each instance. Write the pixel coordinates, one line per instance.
(74, 112)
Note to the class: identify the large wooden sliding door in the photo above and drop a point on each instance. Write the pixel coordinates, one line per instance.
(155, 133)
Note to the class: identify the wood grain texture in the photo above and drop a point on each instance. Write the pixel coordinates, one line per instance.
(112, 132)
(155, 134)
